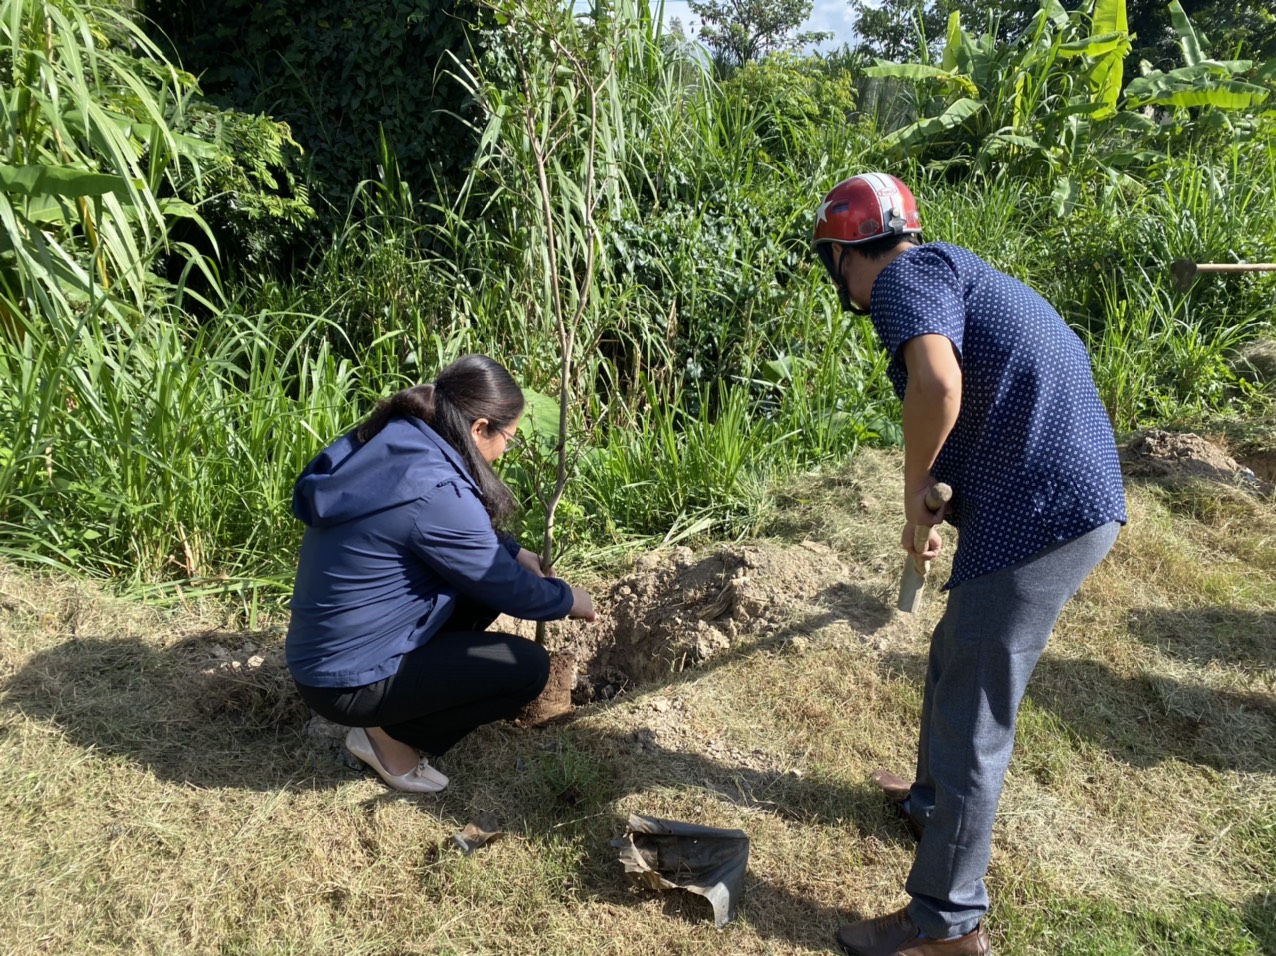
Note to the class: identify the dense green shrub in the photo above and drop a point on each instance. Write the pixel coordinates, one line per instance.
(250, 189)
(337, 73)
(797, 98)
(142, 440)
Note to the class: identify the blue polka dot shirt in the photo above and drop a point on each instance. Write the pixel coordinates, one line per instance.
(1031, 459)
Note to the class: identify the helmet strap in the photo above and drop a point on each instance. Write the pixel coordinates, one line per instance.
(843, 292)
(848, 305)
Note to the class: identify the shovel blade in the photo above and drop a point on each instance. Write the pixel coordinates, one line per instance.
(1184, 272)
(910, 588)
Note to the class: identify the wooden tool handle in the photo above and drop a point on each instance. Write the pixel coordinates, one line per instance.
(1185, 270)
(938, 496)
(1236, 267)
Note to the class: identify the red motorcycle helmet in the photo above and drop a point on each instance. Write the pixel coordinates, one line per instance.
(861, 209)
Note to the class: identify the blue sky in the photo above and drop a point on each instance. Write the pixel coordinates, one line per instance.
(833, 16)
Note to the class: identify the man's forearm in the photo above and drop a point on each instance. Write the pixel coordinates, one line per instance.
(932, 402)
(928, 420)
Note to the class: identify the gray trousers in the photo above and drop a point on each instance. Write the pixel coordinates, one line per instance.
(981, 655)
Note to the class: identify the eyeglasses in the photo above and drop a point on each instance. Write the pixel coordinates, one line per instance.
(511, 441)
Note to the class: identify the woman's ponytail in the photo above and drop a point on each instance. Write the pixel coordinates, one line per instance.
(415, 402)
(472, 387)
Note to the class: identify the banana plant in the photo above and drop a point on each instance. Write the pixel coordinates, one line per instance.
(1201, 81)
(1050, 102)
(1030, 100)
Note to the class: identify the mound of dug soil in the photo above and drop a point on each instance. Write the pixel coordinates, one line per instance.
(1160, 454)
(674, 610)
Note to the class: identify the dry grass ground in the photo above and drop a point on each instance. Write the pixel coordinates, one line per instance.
(158, 802)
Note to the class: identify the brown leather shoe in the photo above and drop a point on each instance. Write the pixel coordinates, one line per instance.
(896, 790)
(897, 935)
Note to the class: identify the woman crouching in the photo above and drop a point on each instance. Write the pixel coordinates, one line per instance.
(402, 570)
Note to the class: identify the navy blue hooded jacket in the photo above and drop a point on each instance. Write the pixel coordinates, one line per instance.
(396, 529)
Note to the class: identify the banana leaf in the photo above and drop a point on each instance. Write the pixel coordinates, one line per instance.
(994, 140)
(1064, 197)
(1105, 84)
(48, 209)
(1134, 123)
(1001, 147)
(1019, 113)
(1138, 157)
(922, 71)
(1096, 46)
(1109, 17)
(1228, 67)
(953, 46)
(1078, 106)
(1055, 12)
(1188, 38)
(927, 129)
(1193, 87)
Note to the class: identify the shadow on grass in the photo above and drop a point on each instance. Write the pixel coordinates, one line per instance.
(182, 714)
(162, 708)
(796, 915)
(570, 790)
(124, 698)
(1146, 719)
(1260, 919)
(1242, 639)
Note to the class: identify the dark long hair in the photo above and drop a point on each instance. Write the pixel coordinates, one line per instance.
(472, 387)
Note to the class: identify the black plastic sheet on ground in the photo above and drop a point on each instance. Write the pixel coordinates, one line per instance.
(669, 855)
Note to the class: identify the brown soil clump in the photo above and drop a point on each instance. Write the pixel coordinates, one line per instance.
(555, 700)
(675, 610)
(1160, 454)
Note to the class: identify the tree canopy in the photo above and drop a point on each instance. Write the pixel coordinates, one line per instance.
(889, 29)
(743, 31)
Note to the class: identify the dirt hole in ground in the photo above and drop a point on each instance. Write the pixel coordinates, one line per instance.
(1262, 464)
(673, 611)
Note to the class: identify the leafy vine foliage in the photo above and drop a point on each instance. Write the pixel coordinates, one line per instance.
(338, 72)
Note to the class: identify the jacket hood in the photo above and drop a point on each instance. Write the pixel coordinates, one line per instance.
(350, 479)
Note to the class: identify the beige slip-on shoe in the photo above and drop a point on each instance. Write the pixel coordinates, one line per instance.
(423, 779)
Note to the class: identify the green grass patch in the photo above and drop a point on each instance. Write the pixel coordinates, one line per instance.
(1087, 927)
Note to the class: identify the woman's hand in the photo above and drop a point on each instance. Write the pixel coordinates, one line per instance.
(532, 561)
(582, 605)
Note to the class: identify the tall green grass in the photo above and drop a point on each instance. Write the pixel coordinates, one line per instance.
(160, 450)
